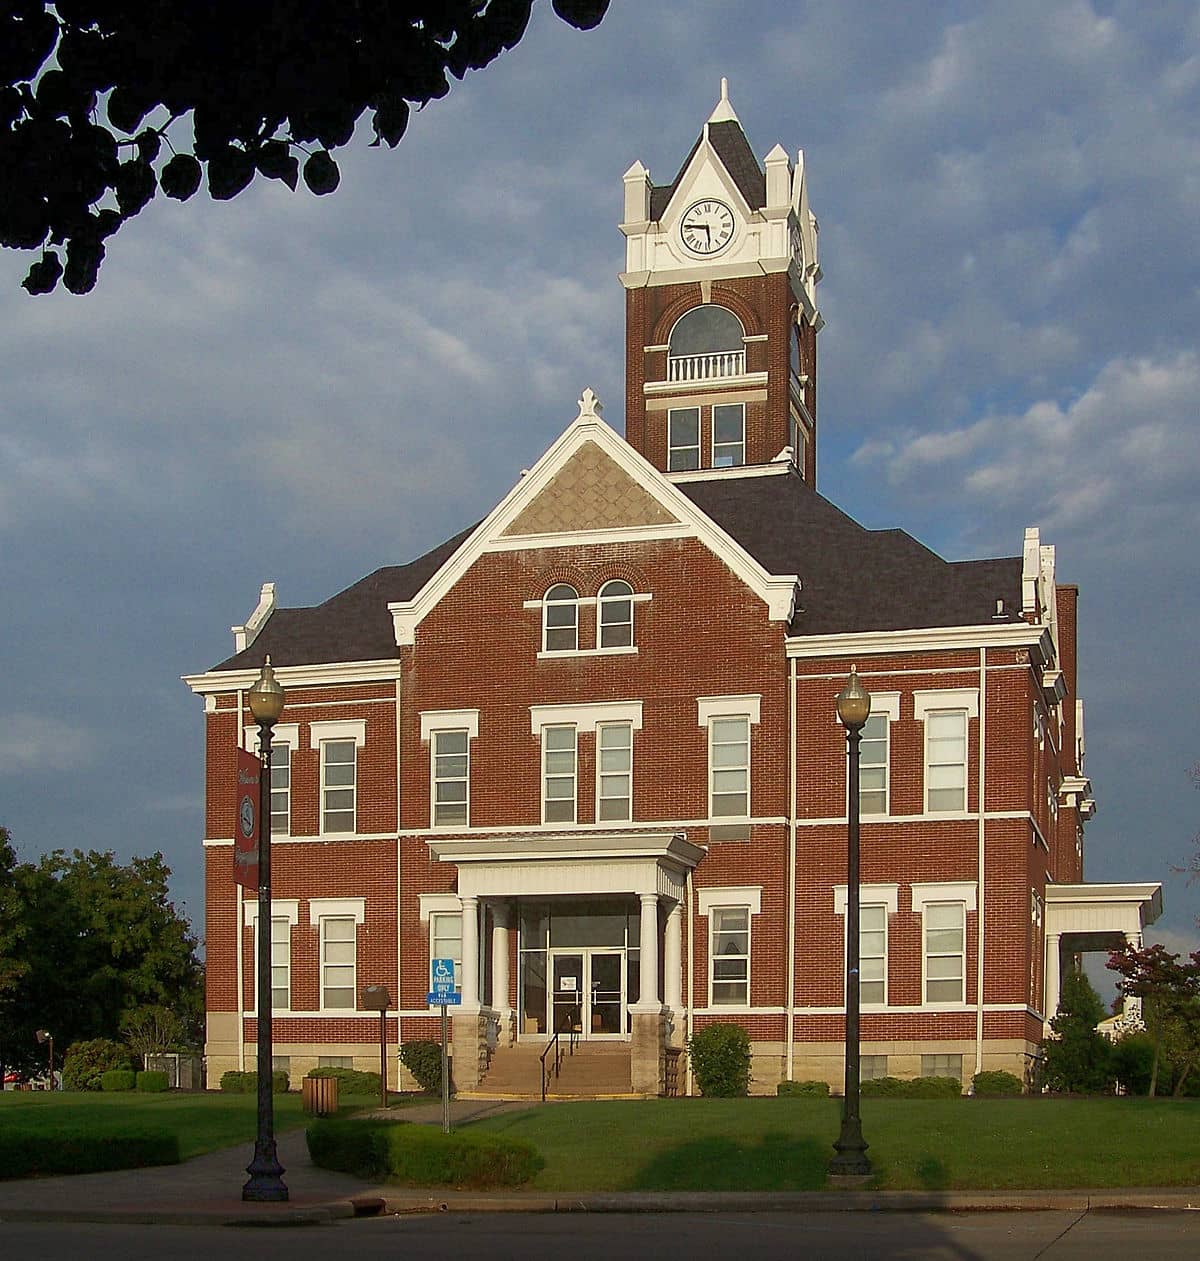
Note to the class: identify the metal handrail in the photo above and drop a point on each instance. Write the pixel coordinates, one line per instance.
(559, 1053)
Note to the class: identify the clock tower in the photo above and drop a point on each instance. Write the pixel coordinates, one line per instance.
(721, 326)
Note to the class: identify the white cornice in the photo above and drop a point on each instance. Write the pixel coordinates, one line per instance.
(723, 474)
(919, 639)
(741, 382)
(336, 673)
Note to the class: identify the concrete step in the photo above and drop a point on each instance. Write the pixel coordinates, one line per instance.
(594, 1070)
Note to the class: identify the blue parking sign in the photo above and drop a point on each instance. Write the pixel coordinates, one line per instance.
(442, 974)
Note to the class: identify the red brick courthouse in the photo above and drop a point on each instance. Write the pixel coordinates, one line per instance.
(588, 747)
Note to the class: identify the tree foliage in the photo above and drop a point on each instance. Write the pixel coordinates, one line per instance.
(1169, 992)
(95, 940)
(91, 93)
(1078, 1057)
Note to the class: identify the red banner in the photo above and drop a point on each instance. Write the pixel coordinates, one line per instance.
(247, 820)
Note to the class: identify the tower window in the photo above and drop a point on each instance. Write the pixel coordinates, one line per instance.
(616, 615)
(560, 627)
(729, 434)
(706, 342)
(683, 438)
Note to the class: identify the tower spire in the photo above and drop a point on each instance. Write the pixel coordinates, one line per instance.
(723, 113)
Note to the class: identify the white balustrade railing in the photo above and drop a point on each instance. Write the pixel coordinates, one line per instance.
(725, 363)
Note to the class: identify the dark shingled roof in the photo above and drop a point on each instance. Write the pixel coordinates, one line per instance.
(732, 147)
(853, 579)
(353, 625)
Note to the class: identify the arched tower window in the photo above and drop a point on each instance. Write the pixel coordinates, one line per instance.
(560, 619)
(706, 342)
(616, 615)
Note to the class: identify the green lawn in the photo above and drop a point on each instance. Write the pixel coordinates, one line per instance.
(937, 1144)
(203, 1122)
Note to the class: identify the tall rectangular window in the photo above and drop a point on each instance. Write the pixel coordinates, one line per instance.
(281, 790)
(873, 766)
(729, 956)
(614, 771)
(445, 942)
(945, 954)
(946, 760)
(558, 774)
(338, 769)
(281, 963)
(729, 434)
(338, 943)
(451, 778)
(729, 767)
(683, 438)
(872, 953)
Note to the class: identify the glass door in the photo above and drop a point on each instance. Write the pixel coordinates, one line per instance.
(567, 992)
(605, 1007)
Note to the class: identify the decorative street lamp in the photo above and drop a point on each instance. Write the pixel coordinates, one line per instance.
(44, 1036)
(266, 1173)
(853, 708)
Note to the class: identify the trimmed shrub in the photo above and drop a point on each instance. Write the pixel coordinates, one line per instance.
(34, 1153)
(152, 1081)
(87, 1062)
(720, 1056)
(237, 1083)
(422, 1156)
(911, 1088)
(350, 1080)
(996, 1083)
(423, 1059)
(1077, 1058)
(812, 1088)
(1133, 1063)
(118, 1079)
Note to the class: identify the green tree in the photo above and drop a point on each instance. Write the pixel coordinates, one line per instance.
(92, 95)
(1077, 1057)
(1169, 992)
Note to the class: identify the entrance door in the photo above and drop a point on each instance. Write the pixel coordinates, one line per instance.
(588, 993)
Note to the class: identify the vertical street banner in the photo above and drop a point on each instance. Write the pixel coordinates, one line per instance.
(247, 820)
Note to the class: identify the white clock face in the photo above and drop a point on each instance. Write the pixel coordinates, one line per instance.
(706, 226)
(247, 819)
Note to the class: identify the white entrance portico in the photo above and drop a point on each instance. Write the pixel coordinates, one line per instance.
(1090, 917)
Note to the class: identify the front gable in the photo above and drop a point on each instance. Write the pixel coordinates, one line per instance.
(592, 487)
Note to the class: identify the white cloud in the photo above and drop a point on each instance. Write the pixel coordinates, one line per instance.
(42, 744)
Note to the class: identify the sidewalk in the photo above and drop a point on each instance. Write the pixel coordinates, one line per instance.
(207, 1191)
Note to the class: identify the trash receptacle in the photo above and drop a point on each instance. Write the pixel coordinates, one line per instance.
(319, 1095)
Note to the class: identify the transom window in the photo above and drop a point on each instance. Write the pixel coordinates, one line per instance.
(729, 767)
(945, 931)
(338, 790)
(559, 768)
(614, 772)
(729, 435)
(560, 619)
(729, 956)
(451, 777)
(616, 615)
(946, 760)
(683, 439)
(338, 941)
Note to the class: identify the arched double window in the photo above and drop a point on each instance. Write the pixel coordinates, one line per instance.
(560, 619)
(706, 342)
(614, 622)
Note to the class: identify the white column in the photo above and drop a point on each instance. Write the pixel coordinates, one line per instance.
(648, 970)
(500, 959)
(673, 959)
(1053, 974)
(470, 951)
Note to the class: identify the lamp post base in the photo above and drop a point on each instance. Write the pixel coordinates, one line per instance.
(265, 1184)
(851, 1159)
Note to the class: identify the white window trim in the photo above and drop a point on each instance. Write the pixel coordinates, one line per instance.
(322, 787)
(285, 733)
(962, 893)
(281, 908)
(439, 904)
(458, 971)
(748, 897)
(449, 720)
(596, 815)
(584, 717)
(574, 819)
(546, 605)
(320, 909)
(946, 698)
(698, 448)
(888, 704)
(877, 894)
(710, 707)
(602, 600)
(728, 707)
(885, 895)
(339, 729)
(965, 808)
(434, 781)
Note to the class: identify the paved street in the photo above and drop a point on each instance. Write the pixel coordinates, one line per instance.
(996, 1236)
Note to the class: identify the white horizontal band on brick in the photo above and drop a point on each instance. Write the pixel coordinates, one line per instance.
(318, 908)
(872, 894)
(281, 908)
(727, 707)
(745, 895)
(285, 733)
(449, 720)
(584, 715)
(946, 698)
(947, 891)
(340, 729)
(439, 904)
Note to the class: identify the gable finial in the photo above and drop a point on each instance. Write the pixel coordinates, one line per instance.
(724, 110)
(590, 406)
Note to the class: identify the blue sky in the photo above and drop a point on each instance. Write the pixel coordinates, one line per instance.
(299, 390)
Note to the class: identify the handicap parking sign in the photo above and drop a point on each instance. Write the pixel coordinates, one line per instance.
(443, 976)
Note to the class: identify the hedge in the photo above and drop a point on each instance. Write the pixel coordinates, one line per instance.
(350, 1080)
(236, 1083)
(152, 1081)
(86, 1062)
(423, 1058)
(720, 1056)
(422, 1156)
(118, 1079)
(34, 1153)
(912, 1087)
(811, 1088)
(996, 1083)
